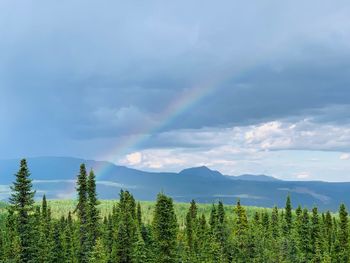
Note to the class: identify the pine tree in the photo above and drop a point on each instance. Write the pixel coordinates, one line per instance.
(57, 251)
(125, 238)
(304, 236)
(191, 225)
(315, 237)
(140, 254)
(343, 235)
(93, 212)
(36, 234)
(328, 232)
(275, 227)
(139, 216)
(165, 229)
(82, 208)
(45, 242)
(288, 215)
(98, 254)
(12, 249)
(22, 203)
(213, 220)
(240, 232)
(68, 240)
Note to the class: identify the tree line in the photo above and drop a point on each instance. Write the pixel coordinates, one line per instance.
(31, 234)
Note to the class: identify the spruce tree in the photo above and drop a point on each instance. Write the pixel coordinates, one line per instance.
(126, 232)
(82, 212)
(93, 212)
(22, 203)
(315, 237)
(213, 220)
(12, 244)
(46, 241)
(98, 254)
(139, 216)
(343, 234)
(165, 229)
(288, 215)
(36, 235)
(191, 226)
(240, 232)
(57, 251)
(140, 254)
(275, 227)
(328, 232)
(68, 240)
(304, 236)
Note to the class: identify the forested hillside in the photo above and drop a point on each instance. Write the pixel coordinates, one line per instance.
(131, 232)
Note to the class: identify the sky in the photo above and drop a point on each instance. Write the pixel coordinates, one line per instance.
(259, 87)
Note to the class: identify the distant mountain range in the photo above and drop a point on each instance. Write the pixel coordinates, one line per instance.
(56, 177)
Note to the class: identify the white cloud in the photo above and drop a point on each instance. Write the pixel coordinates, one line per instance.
(134, 158)
(303, 175)
(280, 148)
(275, 135)
(344, 156)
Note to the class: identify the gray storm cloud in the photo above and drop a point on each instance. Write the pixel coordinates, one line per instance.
(86, 71)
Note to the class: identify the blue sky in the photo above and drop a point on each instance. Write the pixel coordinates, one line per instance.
(242, 87)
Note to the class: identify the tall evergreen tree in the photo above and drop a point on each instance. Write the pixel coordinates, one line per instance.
(191, 226)
(288, 215)
(82, 212)
(126, 232)
(68, 240)
(328, 232)
(240, 232)
(93, 215)
(315, 230)
(304, 236)
(22, 203)
(139, 215)
(57, 251)
(46, 241)
(98, 254)
(165, 229)
(343, 234)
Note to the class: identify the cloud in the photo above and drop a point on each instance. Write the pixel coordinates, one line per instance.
(305, 134)
(303, 175)
(134, 158)
(114, 77)
(344, 156)
(265, 82)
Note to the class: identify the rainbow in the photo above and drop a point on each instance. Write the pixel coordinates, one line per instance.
(180, 105)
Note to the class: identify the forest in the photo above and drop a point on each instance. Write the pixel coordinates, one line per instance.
(31, 233)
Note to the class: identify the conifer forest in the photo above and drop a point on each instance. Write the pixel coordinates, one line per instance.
(30, 232)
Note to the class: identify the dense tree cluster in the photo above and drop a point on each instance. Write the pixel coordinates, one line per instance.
(30, 233)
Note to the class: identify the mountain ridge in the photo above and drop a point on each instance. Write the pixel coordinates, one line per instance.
(56, 176)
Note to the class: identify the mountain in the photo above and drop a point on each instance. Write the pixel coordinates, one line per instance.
(56, 177)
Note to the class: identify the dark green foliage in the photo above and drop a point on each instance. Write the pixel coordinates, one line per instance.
(58, 248)
(240, 231)
(82, 211)
(139, 215)
(343, 234)
(126, 229)
(93, 215)
(22, 201)
(191, 227)
(288, 216)
(165, 229)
